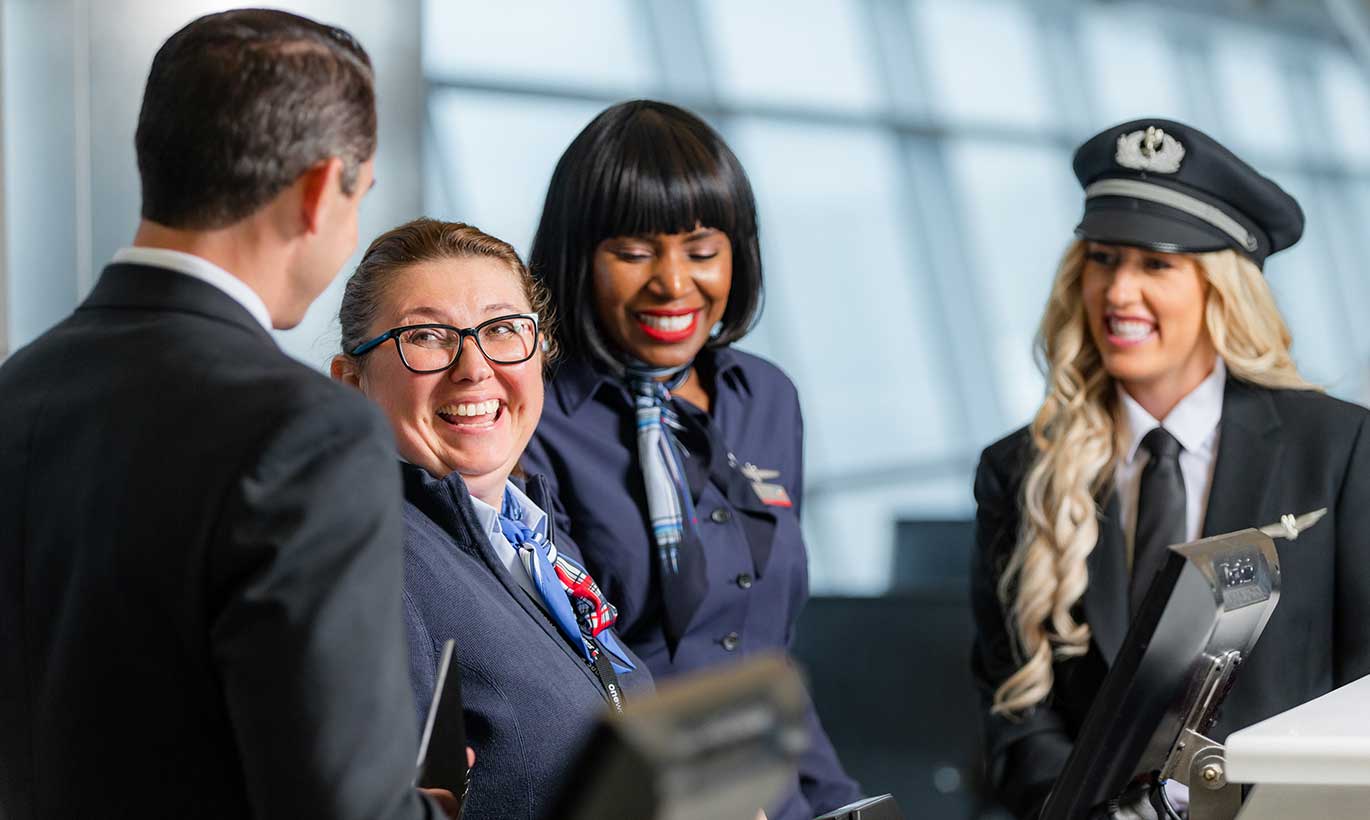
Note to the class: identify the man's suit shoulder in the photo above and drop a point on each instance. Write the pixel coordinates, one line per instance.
(294, 400)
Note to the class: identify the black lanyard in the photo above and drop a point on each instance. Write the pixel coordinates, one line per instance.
(608, 678)
(604, 670)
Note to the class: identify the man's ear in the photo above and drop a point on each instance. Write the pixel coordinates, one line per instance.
(344, 369)
(319, 185)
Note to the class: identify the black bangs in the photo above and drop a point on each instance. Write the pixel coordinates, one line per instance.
(643, 167)
(655, 178)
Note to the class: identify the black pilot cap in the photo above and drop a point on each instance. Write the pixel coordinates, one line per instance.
(1162, 185)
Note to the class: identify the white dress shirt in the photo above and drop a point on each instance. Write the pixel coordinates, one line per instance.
(1194, 423)
(508, 555)
(204, 270)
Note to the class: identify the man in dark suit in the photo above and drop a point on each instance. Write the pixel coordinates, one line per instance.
(200, 538)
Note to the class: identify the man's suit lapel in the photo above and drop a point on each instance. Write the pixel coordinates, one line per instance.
(1105, 600)
(1249, 452)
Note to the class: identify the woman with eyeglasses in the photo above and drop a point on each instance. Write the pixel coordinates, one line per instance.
(678, 458)
(444, 329)
(1173, 410)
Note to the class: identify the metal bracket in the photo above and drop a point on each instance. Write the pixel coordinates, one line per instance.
(1203, 700)
(1196, 760)
(1211, 797)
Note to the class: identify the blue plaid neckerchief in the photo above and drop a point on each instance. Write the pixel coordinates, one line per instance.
(572, 597)
(663, 473)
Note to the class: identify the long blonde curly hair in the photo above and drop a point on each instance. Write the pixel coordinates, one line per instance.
(1076, 440)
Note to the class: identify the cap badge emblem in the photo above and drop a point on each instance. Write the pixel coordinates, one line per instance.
(1150, 150)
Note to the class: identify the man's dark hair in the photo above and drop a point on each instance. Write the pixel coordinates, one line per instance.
(643, 167)
(238, 105)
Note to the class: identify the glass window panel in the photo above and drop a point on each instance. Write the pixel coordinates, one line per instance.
(984, 63)
(597, 43)
(1353, 216)
(495, 155)
(1128, 63)
(1305, 283)
(811, 54)
(844, 313)
(1337, 217)
(1346, 99)
(841, 564)
(1251, 88)
(1352, 230)
(1020, 204)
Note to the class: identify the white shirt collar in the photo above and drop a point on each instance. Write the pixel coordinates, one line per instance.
(489, 516)
(1192, 422)
(204, 270)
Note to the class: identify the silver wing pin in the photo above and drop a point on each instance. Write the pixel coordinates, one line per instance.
(757, 474)
(1289, 527)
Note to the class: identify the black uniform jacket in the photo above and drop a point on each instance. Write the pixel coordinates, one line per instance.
(1279, 451)
(200, 572)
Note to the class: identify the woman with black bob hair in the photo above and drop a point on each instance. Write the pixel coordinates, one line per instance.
(678, 459)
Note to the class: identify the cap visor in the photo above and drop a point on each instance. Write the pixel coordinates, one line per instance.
(1161, 229)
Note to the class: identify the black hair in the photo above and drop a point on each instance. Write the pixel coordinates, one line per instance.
(239, 104)
(643, 167)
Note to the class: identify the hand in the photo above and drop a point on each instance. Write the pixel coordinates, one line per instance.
(761, 815)
(445, 799)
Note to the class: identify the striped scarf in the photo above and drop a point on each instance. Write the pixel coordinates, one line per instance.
(663, 473)
(572, 597)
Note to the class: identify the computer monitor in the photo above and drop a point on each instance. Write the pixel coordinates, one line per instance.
(1211, 598)
(716, 746)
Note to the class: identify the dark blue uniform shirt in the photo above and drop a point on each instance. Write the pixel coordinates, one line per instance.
(757, 565)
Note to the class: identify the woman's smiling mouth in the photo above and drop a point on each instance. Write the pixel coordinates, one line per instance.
(1127, 331)
(472, 416)
(668, 325)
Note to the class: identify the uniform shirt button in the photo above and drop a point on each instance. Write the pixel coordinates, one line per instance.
(720, 516)
(744, 580)
(731, 641)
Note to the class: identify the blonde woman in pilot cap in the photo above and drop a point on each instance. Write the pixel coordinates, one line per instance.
(1173, 410)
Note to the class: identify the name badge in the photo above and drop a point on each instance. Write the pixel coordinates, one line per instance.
(772, 495)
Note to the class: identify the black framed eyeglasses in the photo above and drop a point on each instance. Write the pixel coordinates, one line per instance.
(432, 348)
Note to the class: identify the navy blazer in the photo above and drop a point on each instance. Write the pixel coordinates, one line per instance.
(757, 565)
(530, 700)
(1279, 451)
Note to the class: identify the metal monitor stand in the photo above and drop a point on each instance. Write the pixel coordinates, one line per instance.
(1234, 568)
(1200, 762)
(1200, 617)
(1243, 574)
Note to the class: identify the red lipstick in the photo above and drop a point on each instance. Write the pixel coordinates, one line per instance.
(662, 334)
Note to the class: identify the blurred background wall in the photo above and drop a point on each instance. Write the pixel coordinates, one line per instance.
(71, 83)
(912, 164)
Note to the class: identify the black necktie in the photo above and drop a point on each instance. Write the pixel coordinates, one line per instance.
(1160, 512)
